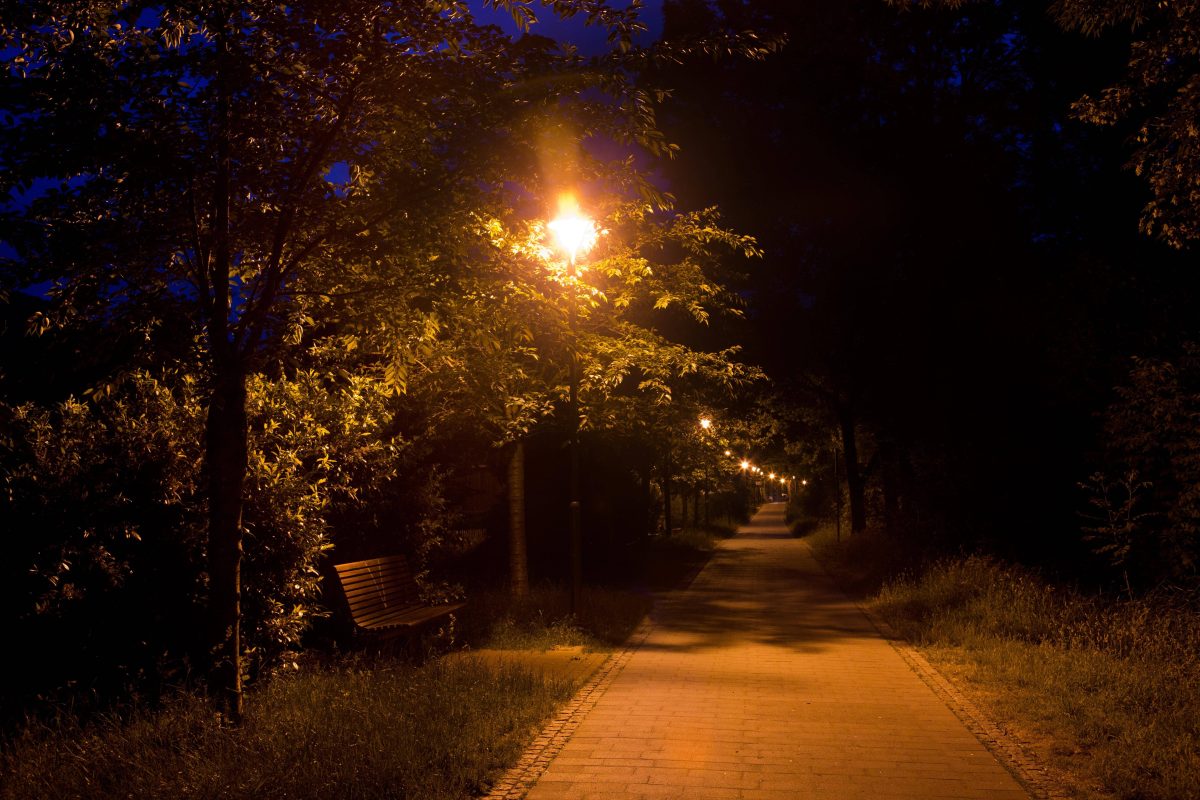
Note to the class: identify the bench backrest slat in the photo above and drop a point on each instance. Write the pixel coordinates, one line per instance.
(376, 587)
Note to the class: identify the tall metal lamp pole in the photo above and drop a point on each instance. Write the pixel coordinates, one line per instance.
(574, 235)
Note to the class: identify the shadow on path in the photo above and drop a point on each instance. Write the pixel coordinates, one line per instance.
(759, 587)
(762, 681)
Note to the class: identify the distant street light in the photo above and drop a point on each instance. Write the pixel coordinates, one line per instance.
(574, 234)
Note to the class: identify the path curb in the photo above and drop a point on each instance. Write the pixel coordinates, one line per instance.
(1009, 751)
(516, 782)
(519, 779)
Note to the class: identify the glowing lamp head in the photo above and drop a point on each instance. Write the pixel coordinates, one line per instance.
(771, 475)
(705, 423)
(745, 465)
(728, 452)
(574, 234)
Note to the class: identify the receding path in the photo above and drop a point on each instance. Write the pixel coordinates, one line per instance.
(763, 682)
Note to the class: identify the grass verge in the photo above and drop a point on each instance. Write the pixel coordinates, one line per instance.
(1106, 690)
(364, 727)
(370, 729)
(543, 619)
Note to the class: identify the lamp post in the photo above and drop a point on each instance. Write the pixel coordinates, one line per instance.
(574, 234)
(706, 425)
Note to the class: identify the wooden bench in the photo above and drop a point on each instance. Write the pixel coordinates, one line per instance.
(383, 597)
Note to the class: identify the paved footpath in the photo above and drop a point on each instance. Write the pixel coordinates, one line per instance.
(762, 681)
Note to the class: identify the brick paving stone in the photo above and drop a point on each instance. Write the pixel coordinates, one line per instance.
(761, 681)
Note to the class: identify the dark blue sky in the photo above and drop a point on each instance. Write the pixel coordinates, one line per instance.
(589, 39)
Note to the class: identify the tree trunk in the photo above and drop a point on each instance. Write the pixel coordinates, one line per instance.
(518, 557)
(890, 481)
(837, 494)
(855, 482)
(649, 525)
(666, 487)
(225, 453)
(225, 430)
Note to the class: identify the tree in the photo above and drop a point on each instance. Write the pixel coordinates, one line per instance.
(898, 176)
(1146, 510)
(260, 168)
(647, 264)
(1158, 98)
(277, 174)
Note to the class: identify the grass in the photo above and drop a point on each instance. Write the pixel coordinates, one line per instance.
(368, 729)
(862, 563)
(543, 619)
(607, 614)
(1106, 689)
(362, 727)
(670, 562)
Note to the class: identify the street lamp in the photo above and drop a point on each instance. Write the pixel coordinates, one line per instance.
(574, 234)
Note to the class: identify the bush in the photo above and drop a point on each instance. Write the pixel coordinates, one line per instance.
(105, 513)
(1146, 521)
(105, 530)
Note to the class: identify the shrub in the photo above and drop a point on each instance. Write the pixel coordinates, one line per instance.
(1147, 522)
(105, 514)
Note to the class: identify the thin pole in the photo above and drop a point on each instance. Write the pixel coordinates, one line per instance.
(707, 491)
(574, 506)
(837, 489)
(668, 520)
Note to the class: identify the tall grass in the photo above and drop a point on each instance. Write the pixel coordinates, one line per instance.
(373, 729)
(1114, 682)
(862, 562)
(605, 619)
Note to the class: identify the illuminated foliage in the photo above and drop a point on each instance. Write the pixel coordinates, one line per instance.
(1158, 97)
(318, 184)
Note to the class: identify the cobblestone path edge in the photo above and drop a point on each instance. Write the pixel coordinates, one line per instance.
(520, 778)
